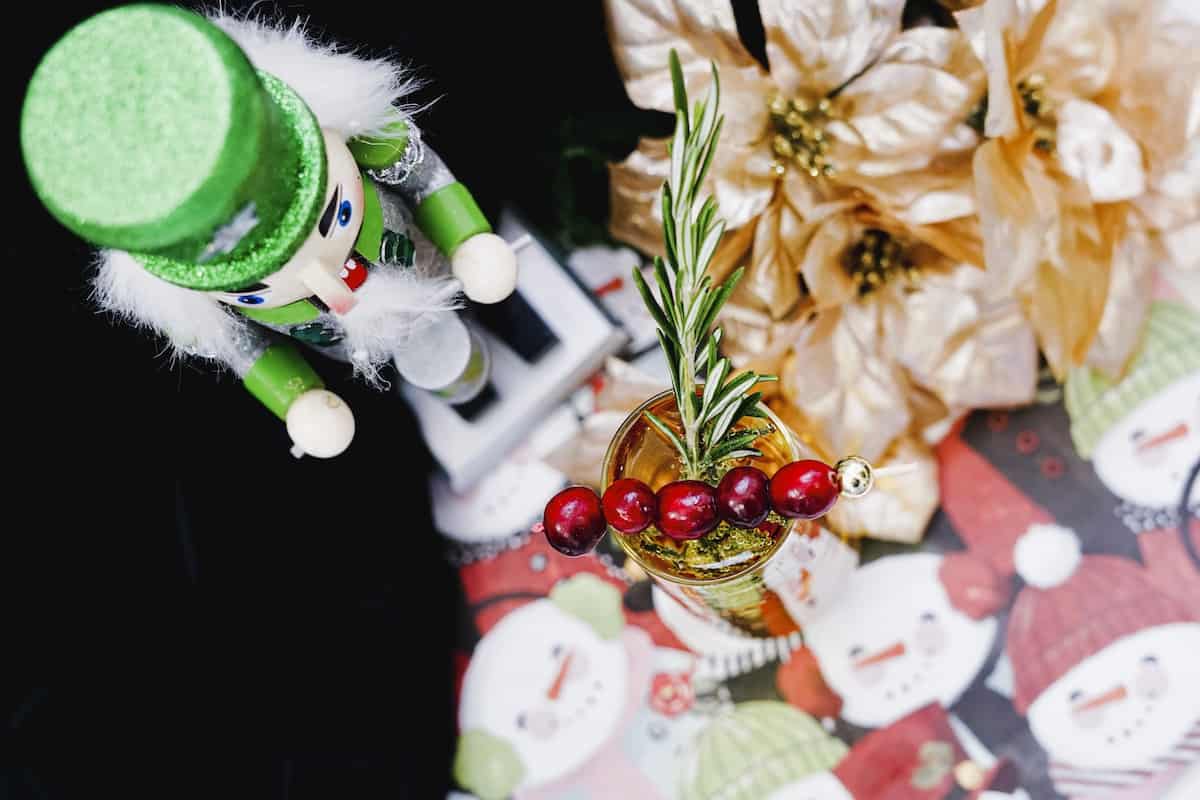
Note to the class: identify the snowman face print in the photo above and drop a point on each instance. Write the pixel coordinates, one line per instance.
(666, 726)
(1127, 706)
(545, 682)
(893, 643)
(1144, 459)
(317, 267)
(809, 572)
(818, 786)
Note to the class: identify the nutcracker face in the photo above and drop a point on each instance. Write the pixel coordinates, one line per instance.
(316, 267)
(545, 682)
(1130, 706)
(893, 642)
(1145, 458)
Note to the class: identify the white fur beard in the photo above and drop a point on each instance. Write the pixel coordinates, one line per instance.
(193, 323)
(393, 307)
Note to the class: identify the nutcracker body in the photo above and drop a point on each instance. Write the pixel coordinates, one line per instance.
(254, 189)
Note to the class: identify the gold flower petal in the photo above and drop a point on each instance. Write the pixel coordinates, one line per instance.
(1156, 87)
(742, 181)
(808, 198)
(771, 278)
(643, 32)
(908, 103)
(1065, 301)
(967, 346)
(853, 397)
(1184, 275)
(754, 341)
(944, 190)
(1128, 300)
(815, 46)
(989, 28)
(634, 187)
(899, 507)
(958, 239)
(581, 458)
(1016, 208)
(624, 387)
(826, 277)
(1170, 212)
(932, 419)
(1078, 53)
(1095, 150)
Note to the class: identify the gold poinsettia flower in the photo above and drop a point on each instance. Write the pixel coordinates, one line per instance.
(1075, 182)
(904, 338)
(1155, 96)
(852, 105)
(900, 335)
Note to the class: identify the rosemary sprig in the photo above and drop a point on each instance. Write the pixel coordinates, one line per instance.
(687, 303)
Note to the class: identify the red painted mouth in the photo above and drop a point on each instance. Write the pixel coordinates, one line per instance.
(354, 272)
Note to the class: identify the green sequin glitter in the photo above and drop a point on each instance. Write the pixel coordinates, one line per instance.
(145, 128)
(271, 244)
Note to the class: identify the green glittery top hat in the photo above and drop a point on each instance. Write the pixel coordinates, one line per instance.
(1168, 351)
(145, 128)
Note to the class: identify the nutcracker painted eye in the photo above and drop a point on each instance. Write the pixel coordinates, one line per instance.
(252, 295)
(345, 211)
(326, 221)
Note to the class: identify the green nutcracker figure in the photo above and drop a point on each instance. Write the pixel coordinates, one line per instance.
(251, 187)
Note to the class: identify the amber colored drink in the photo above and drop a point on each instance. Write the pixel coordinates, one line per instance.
(732, 575)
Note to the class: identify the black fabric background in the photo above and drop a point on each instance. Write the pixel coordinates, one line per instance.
(187, 611)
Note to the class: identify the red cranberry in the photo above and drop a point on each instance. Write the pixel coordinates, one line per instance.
(687, 509)
(804, 489)
(573, 521)
(743, 497)
(629, 505)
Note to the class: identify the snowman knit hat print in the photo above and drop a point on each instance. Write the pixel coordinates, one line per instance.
(1101, 647)
(1103, 664)
(1074, 606)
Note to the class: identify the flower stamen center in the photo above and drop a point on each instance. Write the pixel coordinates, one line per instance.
(1039, 111)
(798, 134)
(1037, 108)
(876, 258)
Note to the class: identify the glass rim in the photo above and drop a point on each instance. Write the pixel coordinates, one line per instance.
(630, 552)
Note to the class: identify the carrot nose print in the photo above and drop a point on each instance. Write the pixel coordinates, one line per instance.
(1177, 432)
(883, 655)
(1113, 695)
(556, 687)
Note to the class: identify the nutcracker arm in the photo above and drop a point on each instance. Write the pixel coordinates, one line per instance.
(318, 421)
(444, 210)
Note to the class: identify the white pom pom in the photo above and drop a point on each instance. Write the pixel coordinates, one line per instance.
(320, 424)
(487, 267)
(1046, 555)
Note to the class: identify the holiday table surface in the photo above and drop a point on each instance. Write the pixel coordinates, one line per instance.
(1038, 641)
